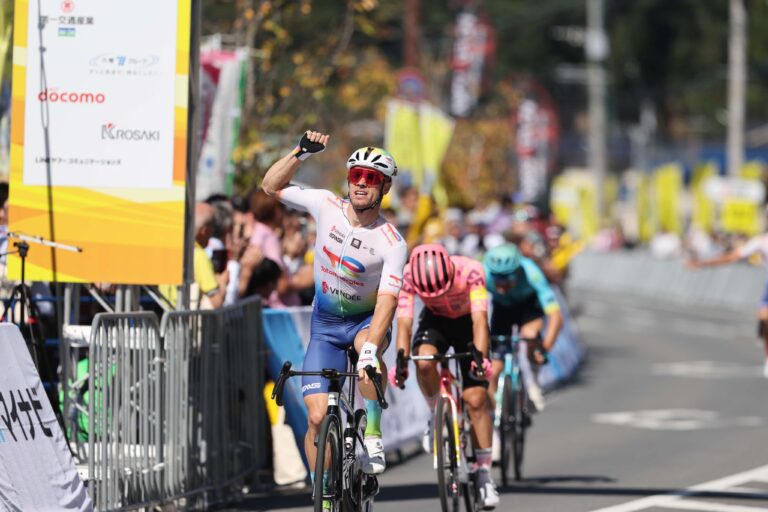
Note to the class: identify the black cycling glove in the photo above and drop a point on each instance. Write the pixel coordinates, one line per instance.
(307, 148)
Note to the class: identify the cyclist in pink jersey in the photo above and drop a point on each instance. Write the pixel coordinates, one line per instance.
(455, 312)
(358, 273)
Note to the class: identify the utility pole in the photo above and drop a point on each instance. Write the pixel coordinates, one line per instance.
(737, 84)
(596, 48)
(411, 37)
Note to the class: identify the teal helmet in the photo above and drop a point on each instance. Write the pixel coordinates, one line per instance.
(502, 260)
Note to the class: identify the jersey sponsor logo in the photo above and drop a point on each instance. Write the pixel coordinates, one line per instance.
(334, 236)
(307, 387)
(339, 292)
(347, 280)
(335, 201)
(356, 243)
(350, 266)
(395, 282)
(391, 234)
(476, 278)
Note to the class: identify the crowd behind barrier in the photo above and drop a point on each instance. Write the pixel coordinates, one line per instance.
(174, 407)
(639, 273)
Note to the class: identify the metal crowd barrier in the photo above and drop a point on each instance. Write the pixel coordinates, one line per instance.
(215, 413)
(175, 411)
(125, 410)
(735, 287)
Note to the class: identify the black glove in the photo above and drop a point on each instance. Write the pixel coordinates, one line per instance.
(544, 354)
(307, 148)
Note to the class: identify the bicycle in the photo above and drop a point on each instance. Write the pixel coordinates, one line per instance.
(347, 488)
(452, 436)
(512, 416)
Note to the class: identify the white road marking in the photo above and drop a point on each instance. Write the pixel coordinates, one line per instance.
(674, 419)
(705, 506)
(673, 499)
(707, 370)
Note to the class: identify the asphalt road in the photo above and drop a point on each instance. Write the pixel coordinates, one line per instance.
(670, 412)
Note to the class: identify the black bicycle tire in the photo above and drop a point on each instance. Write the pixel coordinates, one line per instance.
(506, 430)
(519, 430)
(355, 496)
(335, 467)
(442, 426)
(467, 493)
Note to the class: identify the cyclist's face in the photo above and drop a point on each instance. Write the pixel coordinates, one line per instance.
(366, 186)
(504, 282)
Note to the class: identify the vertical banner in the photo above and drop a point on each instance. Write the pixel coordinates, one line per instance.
(739, 202)
(473, 46)
(536, 133)
(222, 79)
(668, 181)
(99, 137)
(703, 216)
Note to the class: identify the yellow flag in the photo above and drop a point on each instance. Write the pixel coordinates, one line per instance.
(740, 216)
(403, 138)
(668, 181)
(645, 209)
(703, 216)
(752, 171)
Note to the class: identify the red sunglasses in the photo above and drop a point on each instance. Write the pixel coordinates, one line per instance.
(371, 177)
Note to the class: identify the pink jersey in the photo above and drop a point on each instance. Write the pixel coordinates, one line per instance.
(466, 295)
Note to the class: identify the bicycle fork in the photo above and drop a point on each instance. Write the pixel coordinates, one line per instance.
(514, 372)
(455, 433)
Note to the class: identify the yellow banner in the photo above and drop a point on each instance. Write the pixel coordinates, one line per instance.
(668, 183)
(127, 218)
(740, 216)
(704, 210)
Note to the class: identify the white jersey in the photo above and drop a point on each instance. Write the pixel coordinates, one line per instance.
(353, 265)
(754, 245)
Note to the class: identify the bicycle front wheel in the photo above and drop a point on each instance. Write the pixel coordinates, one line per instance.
(447, 463)
(328, 481)
(507, 430)
(518, 444)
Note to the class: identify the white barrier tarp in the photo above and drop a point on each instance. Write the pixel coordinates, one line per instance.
(36, 468)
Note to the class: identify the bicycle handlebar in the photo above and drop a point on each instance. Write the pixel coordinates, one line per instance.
(503, 338)
(330, 374)
(473, 353)
(538, 347)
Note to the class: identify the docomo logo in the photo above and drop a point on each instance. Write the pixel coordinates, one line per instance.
(55, 96)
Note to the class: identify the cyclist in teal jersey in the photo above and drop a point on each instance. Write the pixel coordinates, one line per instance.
(521, 296)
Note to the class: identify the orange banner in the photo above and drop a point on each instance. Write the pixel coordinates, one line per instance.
(99, 141)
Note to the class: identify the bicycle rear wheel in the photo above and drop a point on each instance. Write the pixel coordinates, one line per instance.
(447, 464)
(520, 421)
(328, 445)
(507, 430)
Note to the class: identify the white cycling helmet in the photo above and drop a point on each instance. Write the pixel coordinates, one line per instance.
(373, 158)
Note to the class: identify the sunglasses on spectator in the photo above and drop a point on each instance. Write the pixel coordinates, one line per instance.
(372, 178)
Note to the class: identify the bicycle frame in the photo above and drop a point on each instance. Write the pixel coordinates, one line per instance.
(511, 368)
(450, 390)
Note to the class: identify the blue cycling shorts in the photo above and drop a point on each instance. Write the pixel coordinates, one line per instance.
(764, 300)
(329, 339)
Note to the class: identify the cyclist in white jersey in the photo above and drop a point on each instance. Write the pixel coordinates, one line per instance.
(358, 271)
(756, 244)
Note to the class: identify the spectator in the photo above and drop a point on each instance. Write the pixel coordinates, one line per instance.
(268, 217)
(225, 247)
(665, 244)
(454, 231)
(263, 279)
(209, 289)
